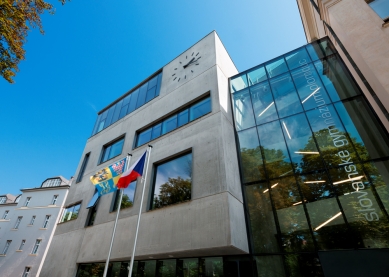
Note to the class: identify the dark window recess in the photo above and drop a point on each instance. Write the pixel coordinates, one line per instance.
(112, 150)
(83, 166)
(147, 92)
(127, 199)
(175, 121)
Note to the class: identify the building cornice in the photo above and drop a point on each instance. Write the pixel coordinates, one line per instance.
(45, 188)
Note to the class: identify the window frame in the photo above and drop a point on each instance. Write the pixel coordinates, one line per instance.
(32, 220)
(17, 223)
(55, 199)
(83, 167)
(187, 107)
(5, 215)
(28, 200)
(22, 243)
(26, 271)
(67, 207)
(110, 144)
(3, 199)
(6, 247)
(155, 171)
(46, 221)
(36, 246)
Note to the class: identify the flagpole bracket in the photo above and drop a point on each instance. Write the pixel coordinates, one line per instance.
(150, 145)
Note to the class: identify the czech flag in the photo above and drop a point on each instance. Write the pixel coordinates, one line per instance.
(132, 173)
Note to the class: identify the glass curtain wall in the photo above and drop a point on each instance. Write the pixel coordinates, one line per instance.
(314, 161)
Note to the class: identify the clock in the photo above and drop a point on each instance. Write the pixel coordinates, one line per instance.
(186, 66)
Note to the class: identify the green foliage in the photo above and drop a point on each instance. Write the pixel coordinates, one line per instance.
(16, 19)
(175, 190)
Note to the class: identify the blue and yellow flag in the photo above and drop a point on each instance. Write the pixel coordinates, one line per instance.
(106, 179)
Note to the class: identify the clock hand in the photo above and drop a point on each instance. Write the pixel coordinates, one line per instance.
(185, 66)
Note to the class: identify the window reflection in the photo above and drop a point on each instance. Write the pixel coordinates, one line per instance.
(243, 110)
(285, 95)
(263, 103)
(274, 149)
(256, 75)
(238, 83)
(276, 67)
(381, 7)
(297, 58)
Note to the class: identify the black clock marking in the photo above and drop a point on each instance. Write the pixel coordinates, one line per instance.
(192, 71)
(197, 53)
(174, 78)
(179, 79)
(192, 53)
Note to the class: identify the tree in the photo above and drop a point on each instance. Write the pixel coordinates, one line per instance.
(175, 190)
(16, 19)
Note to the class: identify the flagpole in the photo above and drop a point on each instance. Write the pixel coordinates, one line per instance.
(116, 221)
(140, 212)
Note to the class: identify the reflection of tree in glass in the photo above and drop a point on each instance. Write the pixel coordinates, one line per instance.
(175, 190)
(126, 202)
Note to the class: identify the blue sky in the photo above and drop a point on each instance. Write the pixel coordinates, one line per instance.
(95, 51)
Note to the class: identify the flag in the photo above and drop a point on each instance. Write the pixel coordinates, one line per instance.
(132, 173)
(106, 179)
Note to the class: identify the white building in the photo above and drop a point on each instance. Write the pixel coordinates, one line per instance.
(27, 226)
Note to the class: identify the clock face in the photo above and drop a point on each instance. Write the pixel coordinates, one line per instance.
(186, 67)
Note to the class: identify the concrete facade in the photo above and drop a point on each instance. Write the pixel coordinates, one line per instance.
(365, 37)
(40, 205)
(212, 223)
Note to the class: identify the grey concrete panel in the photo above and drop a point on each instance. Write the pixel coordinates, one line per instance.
(237, 224)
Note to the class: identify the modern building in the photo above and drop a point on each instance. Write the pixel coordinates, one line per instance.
(28, 225)
(280, 170)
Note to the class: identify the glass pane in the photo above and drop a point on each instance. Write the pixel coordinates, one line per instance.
(116, 149)
(287, 101)
(128, 197)
(309, 87)
(336, 79)
(76, 209)
(132, 104)
(276, 67)
(166, 268)
(320, 49)
(127, 99)
(151, 94)
(169, 124)
(295, 233)
(379, 174)
(333, 141)
(199, 109)
(188, 267)
(158, 84)
(108, 121)
(277, 162)
(141, 96)
(302, 147)
(250, 156)
(156, 131)
(270, 266)
(144, 137)
(173, 182)
(96, 125)
(118, 107)
(256, 75)
(243, 110)
(183, 117)
(366, 133)
(297, 58)
(263, 103)
(325, 216)
(101, 126)
(238, 83)
(261, 219)
(105, 155)
(152, 83)
(211, 267)
(123, 111)
(147, 268)
(381, 7)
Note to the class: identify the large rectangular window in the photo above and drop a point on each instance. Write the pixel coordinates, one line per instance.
(127, 199)
(172, 182)
(134, 100)
(175, 121)
(381, 7)
(70, 212)
(111, 150)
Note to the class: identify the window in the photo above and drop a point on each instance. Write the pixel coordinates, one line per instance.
(7, 244)
(83, 166)
(127, 199)
(55, 198)
(46, 222)
(381, 7)
(175, 121)
(3, 200)
(27, 201)
(32, 220)
(18, 222)
(51, 183)
(5, 215)
(22, 244)
(26, 272)
(172, 182)
(91, 216)
(36, 246)
(137, 97)
(112, 150)
(70, 212)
